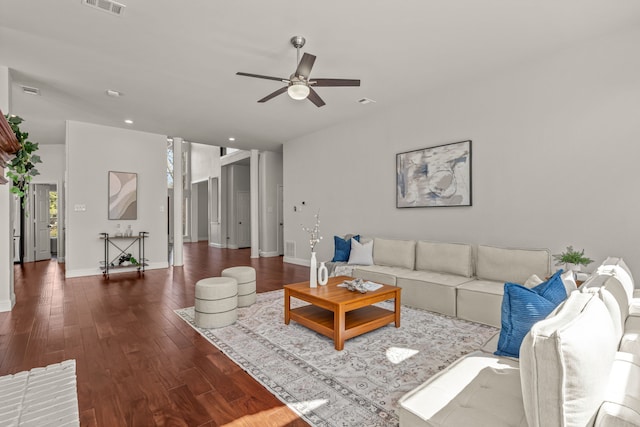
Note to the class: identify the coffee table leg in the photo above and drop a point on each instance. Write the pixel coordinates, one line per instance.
(397, 309)
(287, 306)
(338, 328)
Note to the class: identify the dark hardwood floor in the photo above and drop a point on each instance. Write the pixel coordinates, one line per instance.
(138, 364)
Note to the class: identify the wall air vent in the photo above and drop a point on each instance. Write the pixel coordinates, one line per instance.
(290, 249)
(109, 6)
(31, 90)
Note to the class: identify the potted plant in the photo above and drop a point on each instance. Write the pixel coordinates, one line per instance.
(572, 259)
(21, 169)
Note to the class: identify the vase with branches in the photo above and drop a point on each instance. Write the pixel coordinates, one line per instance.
(314, 239)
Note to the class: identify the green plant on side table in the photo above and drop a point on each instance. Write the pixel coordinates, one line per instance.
(21, 169)
(572, 258)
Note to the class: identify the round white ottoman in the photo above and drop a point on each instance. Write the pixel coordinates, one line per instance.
(246, 278)
(216, 302)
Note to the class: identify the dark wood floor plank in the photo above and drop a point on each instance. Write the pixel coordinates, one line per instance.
(137, 362)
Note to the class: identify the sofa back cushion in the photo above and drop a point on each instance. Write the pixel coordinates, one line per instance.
(452, 258)
(394, 253)
(620, 268)
(565, 362)
(511, 265)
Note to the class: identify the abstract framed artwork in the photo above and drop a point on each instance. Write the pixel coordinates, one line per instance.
(123, 195)
(435, 176)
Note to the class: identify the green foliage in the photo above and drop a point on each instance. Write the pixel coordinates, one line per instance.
(573, 257)
(21, 169)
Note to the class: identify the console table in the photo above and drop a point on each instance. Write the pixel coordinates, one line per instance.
(119, 245)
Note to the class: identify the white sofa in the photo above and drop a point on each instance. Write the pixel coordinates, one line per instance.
(453, 278)
(578, 367)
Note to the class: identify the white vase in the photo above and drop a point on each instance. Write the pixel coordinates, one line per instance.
(323, 274)
(573, 267)
(313, 273)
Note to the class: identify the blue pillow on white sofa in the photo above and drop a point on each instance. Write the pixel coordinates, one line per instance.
(342, 247)
(523, 307)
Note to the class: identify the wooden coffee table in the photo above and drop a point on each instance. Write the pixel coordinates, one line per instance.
(339, 313)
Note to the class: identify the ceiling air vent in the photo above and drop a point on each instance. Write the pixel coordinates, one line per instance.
(31, 90)
(109, 6)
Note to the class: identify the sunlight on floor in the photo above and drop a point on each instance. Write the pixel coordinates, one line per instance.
(396, 355)
(305, 407)
(279, 416)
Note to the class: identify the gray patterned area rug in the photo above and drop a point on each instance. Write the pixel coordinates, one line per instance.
(360, 385)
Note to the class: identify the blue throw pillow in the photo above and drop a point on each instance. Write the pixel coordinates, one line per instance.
(553, 289)
(342, 248)
(522, 308)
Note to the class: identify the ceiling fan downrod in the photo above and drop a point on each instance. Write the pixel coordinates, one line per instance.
(298, 42)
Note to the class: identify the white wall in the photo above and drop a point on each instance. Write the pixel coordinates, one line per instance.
(270, 171)
(555, 160)
(93, 151)
(7, 294)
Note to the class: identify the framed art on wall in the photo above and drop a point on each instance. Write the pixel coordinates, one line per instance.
(434, 176)
(123, 195)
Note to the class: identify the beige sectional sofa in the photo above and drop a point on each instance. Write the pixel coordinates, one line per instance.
(578, 367)
(453, 278)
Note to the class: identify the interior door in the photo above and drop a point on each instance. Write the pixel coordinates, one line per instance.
(41, 220)
(243, 211)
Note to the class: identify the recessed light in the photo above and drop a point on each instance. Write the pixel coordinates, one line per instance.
(114, 93)
(129, 121)
(231, 139)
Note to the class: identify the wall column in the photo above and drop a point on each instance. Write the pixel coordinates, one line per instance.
(178, 185)
(255, 212)
(7, 294)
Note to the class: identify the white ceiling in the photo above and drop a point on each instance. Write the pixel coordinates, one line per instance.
(175, 61)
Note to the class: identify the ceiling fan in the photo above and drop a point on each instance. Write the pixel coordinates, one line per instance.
(299, 85)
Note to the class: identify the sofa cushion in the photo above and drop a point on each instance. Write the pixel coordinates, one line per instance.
(394, 253)
(430, 290)
(476, 390)
(480, 301)
(565, 361)
(612, 307)
(377, 273)
(522, 307)
(361, 253)
(511, 265)
(342, 247)
(621, 406)
(453, 258)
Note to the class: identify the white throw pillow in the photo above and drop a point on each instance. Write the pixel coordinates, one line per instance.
(361, 253)
(569, 281)
(533, 281)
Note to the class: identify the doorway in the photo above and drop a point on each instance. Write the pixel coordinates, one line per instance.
(243, 218)
(39, 231)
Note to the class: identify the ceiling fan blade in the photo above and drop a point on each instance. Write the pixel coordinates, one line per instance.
(274, 94)
(334, 82)
(280, 79)
(315, 98)
(305, 65)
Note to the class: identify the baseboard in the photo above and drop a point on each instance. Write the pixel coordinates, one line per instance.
(217, 245)
(269, 254)
(7, 305)
(232, 247)
(97, 271)
(298, 261)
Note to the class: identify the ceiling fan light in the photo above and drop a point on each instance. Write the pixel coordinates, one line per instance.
(298, 90)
